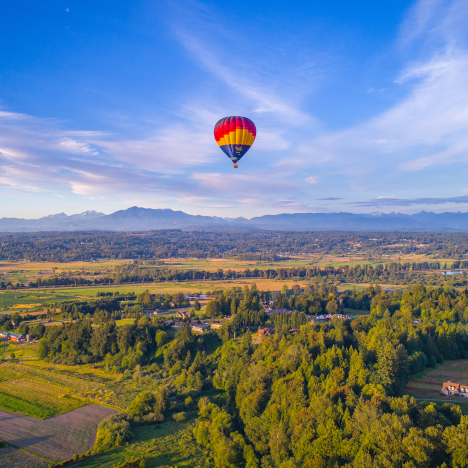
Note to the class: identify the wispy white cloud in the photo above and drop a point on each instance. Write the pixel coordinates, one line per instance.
(427, 127)
(264, 100)
(392, 201)
(312, 179)
(34, 153)
(259, 86)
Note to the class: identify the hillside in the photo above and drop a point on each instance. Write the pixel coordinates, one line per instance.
(147, 219)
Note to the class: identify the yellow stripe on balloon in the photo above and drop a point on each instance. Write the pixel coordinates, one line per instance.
(232, 137)
(245, 136)
(238, 137)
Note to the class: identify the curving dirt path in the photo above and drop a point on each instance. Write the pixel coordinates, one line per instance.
(57, 438)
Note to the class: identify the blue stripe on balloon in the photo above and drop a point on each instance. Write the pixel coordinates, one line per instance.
(235, 152)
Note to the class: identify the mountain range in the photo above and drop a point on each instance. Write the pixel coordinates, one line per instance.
(147, 219)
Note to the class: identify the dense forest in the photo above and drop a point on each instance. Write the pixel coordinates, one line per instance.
(309, 395)
(250, 245)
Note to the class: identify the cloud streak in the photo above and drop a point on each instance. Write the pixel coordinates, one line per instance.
(384, 201)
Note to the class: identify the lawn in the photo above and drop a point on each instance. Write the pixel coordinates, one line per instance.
(424, 385)
(355, 313)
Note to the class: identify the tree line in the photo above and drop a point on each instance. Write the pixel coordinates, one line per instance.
(387, 273)
(249, 245)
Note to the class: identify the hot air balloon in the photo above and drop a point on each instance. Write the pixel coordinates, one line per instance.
(235, 135)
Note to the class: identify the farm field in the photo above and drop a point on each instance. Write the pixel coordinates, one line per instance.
(454, 371)
(57, 438)
(427, 385)
(38, 299)
(16, 300)
(13, 458)
(42, 390)
(211, 264)
(25, 391)
(167, 444)
(174, 287)
(31, 299)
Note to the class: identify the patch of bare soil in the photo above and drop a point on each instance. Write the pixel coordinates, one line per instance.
(14, 458)
(57, 438)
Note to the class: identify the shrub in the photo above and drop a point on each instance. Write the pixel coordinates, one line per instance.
(153, 418)
(38, 331)
(113, 431)
(142, 404)
(43, 348)
(179, 417)
(161, 338)
(189, 401)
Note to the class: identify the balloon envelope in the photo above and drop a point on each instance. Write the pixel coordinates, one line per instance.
(235, 135)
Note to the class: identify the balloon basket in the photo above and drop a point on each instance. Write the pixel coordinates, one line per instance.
(235, 166)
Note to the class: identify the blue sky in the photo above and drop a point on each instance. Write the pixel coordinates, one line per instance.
(359, 106)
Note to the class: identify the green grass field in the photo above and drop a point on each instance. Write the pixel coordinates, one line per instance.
(166, 445)
(30, 408)
(174, 287)
(22, 392)
(32, 298)
(424, 386)
(53, 389)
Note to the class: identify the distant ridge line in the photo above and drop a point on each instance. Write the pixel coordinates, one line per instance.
(148, 219)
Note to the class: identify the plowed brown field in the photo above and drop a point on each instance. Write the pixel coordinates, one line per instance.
(57, 438)
(14, 458)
